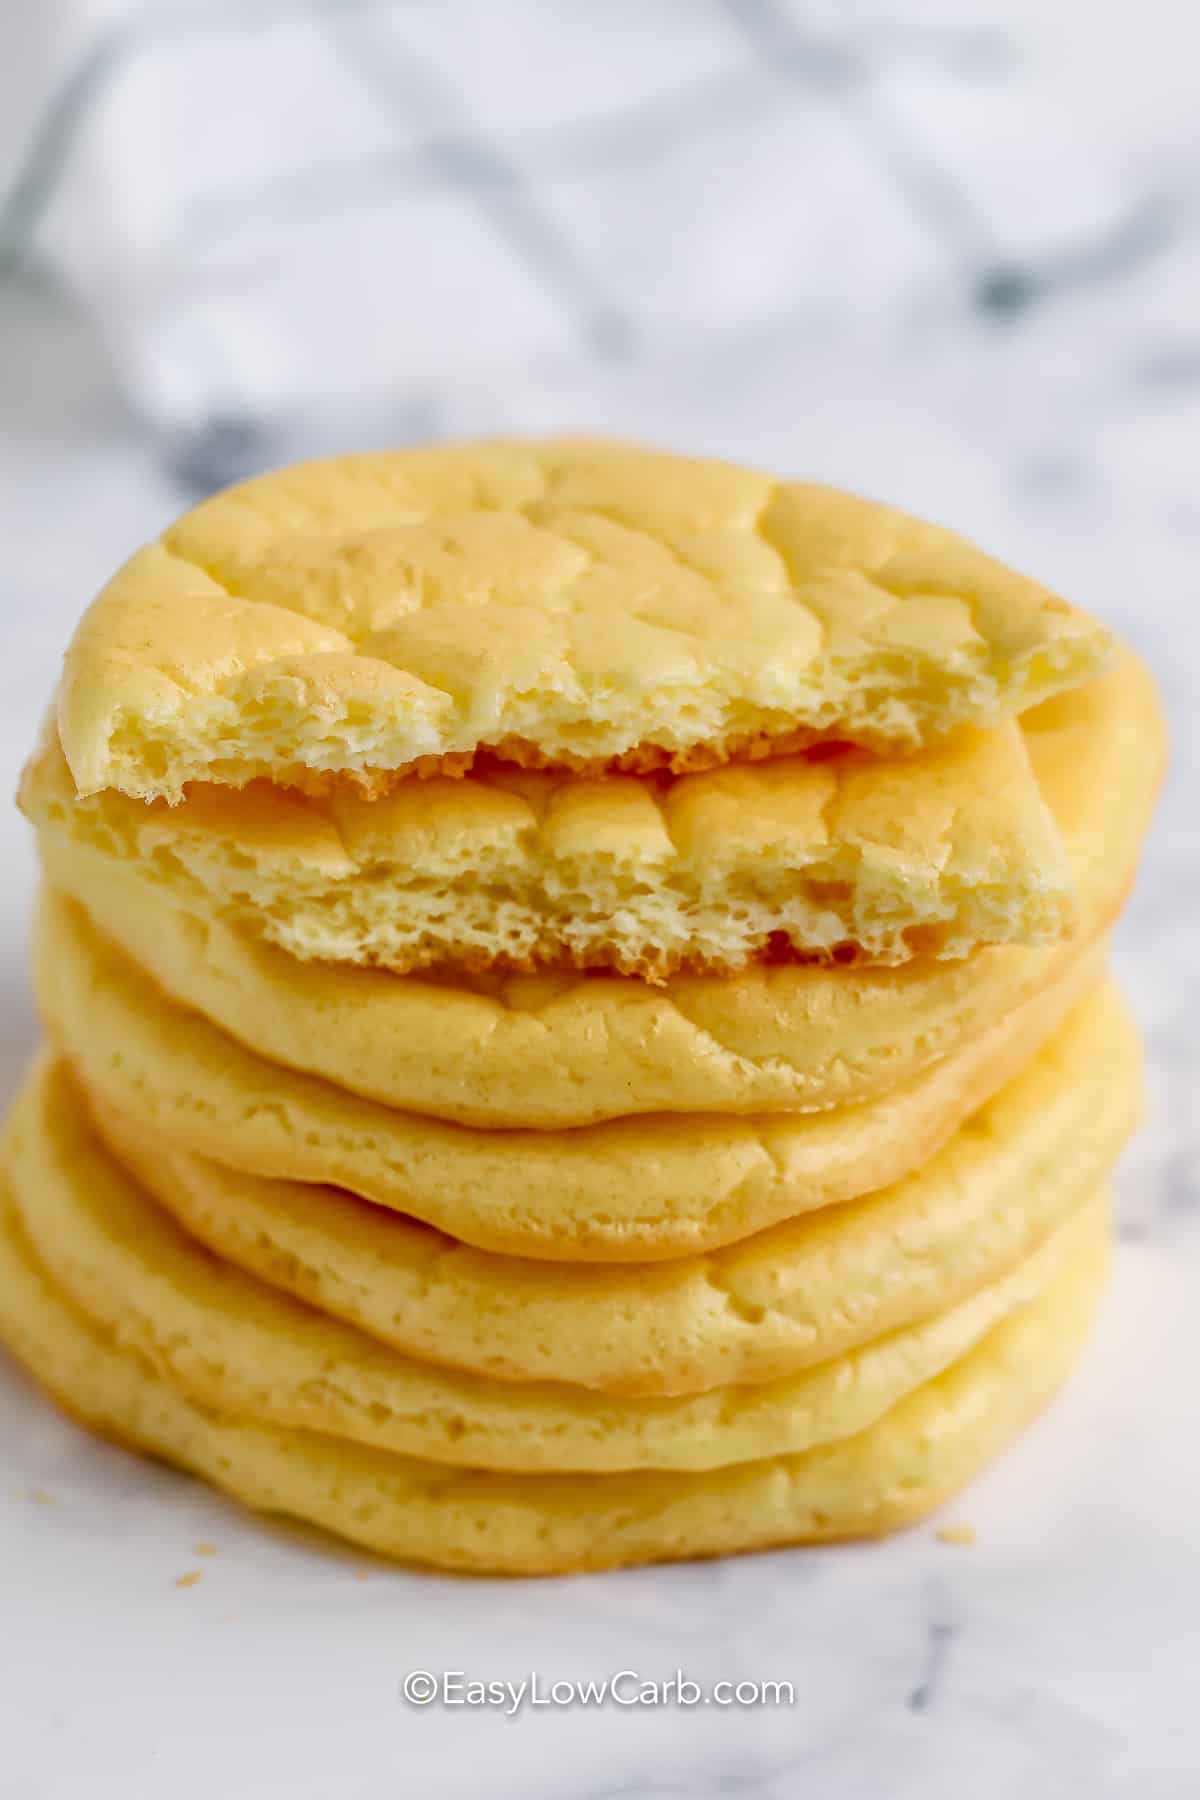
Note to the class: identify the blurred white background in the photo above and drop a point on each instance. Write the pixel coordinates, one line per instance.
(947, 253)
(294, 219)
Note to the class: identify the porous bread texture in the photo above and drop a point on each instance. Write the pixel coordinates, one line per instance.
(230, 1342)
(567, 603)
(637, 1189)
(783, 1300)
(916, 1456)
(847, 856)
(554, 1049)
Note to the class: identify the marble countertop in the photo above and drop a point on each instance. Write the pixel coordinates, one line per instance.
(1060, 424)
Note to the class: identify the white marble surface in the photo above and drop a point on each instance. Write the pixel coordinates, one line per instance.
(1059, 1655)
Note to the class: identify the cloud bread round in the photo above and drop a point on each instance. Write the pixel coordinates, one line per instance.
(229, 1342)
(784, 1300)
(570, 603)
(634, 1189)
(553, 1050)
(846, 855)
(907, 1463)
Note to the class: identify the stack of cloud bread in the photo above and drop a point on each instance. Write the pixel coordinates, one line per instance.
(577, 1025)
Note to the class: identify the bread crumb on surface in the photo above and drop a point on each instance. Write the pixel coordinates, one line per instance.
(205, 1549)
(40, 1497)
(956, 1534)
(190, 1579)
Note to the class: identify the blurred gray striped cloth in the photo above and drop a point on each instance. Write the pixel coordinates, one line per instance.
(270, 206)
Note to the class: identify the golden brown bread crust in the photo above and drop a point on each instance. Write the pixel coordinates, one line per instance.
(227, 1340)
(520, 753)
(639, 1190)
(840, 858)
(483, 1521)
(755, 1311)
(547, 1051)
(586, 604)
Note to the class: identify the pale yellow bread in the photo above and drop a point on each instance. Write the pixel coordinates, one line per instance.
(842, 855)
(635, 1189)
(910, 1461)
(553, 1050)
(568, 602)
(229, 1342)
(792, 1297)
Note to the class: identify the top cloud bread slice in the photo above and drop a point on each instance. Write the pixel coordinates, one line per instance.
(566, 604)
